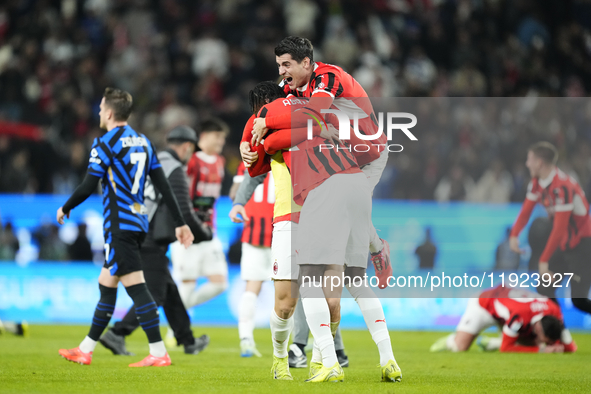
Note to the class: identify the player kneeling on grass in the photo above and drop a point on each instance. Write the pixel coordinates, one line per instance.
(122, 159)
(530, 323)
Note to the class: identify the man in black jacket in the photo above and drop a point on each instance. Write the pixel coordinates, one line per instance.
(181, 145)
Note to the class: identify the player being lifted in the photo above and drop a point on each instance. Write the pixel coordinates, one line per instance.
(328, 184)
(530, 323)
(327, 84)
(568, 208)
(206, 259)
(256, 261)
(121, 159)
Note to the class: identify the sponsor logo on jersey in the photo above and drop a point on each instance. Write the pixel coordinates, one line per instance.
(94, 157)
(138, 209)
(128, 142)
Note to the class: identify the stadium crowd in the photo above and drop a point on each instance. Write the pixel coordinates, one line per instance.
(186, 60)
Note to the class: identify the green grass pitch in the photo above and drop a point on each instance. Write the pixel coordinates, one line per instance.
(32, 365)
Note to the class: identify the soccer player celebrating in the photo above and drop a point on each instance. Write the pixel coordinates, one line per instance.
(327, 84)
(122, 159)
(256, 261)
(206, 173)
(568, 208)
(328, 184)
(530, 323)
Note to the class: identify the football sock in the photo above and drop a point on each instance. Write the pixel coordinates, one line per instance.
(318, 318)
(202, 293)
(373, 314)
(280, 330)
(316, 355)
(334, 327)
(451, 343)
(493, 344)
(157, 349)
(103, 312)
(247, 309)
(87, 345)
(147, 312)
(375, 243)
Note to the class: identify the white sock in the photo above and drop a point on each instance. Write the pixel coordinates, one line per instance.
(280, 331)
(451, 343)
(170, 333)
(185, 291)
(206, 293)
(246, 311)
(373, 314)
(87, 345)
(318, 318)
(494, 344)
(375, 243)
(316, 355)
(157, 349)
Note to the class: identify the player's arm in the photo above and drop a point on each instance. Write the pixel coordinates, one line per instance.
(526, 209)
(82, 192)
(180, 189)
(245, 191)
(249, 156)
(286, 138)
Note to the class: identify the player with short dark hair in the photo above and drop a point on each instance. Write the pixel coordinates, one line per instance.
(530, 323)
(122, 159)
(567, 207)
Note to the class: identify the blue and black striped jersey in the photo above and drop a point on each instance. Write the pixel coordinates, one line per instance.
(123, 158)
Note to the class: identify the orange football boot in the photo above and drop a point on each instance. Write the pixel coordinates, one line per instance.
(152, 361)
(76, 356)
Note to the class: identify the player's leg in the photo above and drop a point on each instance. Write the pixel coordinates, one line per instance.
(211, 264)
(301, 332)
(185, 266)
(474, 320)
(578, 262)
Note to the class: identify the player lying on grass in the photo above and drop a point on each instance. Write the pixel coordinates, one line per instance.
(122, 159)
(330, 183)
(530, 323)
(326, 85)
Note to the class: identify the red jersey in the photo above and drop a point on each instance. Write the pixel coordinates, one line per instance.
(258, 231)
(206, 173)
(565, 203)
(309, 164)
(348, 96)
(517, 310)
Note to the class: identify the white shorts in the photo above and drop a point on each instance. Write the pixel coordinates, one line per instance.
(373, 171)
(255, 263)
(475, 319)
(335, 222)
(203, 259)
(283, 250)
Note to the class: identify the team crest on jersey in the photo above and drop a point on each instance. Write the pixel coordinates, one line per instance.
(275, 268)
(321, 85)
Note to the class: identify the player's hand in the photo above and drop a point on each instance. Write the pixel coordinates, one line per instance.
(556, 348)
(248, 157)
(236, 210)
(61, 214)
(543, 269)
(259, 130)
(184, 235)
(331, 134)
(514, 245)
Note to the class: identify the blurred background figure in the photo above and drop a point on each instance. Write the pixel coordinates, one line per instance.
(9, 244)
(80, 249)
(427, 251)
(505, 258)
(51, 247)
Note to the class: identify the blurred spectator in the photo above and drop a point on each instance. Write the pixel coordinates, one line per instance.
(456, 186)
(505, 258)
(80, 249)
(51, 247)
(427, 251)
(495, 185)
(9, 244)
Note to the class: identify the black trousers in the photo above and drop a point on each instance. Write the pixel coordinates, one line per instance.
(165, 294)
(578, 262)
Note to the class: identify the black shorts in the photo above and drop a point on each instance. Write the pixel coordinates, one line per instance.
(578, 262)
(122, 252)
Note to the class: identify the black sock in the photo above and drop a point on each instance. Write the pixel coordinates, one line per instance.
(103, 312)
(146, 311)
(582, 304)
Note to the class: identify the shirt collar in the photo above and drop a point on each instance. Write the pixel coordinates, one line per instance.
(548, 180)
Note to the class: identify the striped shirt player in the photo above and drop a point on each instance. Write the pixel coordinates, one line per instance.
(529, 322)
(254, 200)
(122, 159)
(570, 238)
(205, 171)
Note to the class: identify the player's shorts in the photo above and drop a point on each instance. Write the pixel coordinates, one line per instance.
(203, 259)
(283, 251)
(373, 171)
(256, 262)
(122, 252)
(475, 319)
(335, 222)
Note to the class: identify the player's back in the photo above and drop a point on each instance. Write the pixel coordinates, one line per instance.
(123, 158)
(206, 173)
